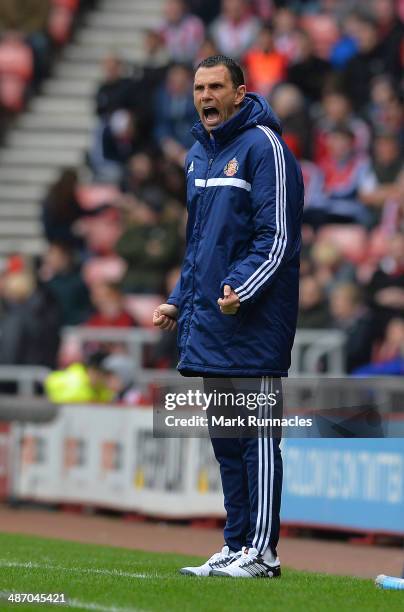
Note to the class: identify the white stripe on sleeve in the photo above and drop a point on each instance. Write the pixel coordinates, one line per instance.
(268, 267)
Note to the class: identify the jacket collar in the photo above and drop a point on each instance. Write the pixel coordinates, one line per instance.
(225, 131)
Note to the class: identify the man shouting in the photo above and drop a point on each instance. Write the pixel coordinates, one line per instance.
(236, 301)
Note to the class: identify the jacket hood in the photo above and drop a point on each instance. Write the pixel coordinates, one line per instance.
(255, 110)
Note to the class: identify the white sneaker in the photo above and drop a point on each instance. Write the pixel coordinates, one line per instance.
(218, 560)
(250, 564)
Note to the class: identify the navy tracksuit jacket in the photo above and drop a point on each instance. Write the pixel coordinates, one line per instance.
(245, 200)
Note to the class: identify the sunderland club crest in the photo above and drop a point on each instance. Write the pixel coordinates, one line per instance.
(231, 167)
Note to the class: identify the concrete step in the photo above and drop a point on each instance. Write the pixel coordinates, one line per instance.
(24, 245)
(90, 71)
(129, 6)
(83, 53)
(121, 33)
(15, 193)
(20, 210)
(113, 20)
(43, 175)
(72, 87)
(40, 157)
(20, 228)
(61, 105)
(58, 123)
(48, 140)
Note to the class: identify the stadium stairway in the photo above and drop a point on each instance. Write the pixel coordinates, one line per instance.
(55, 130)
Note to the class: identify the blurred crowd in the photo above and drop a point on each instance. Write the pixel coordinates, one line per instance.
(31, 34)
(332, 71)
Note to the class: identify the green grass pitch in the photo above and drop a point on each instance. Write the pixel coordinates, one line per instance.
(108, 579)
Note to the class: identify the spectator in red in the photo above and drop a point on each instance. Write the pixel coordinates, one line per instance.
(182, 32)
(110, 311)
(235, 30)
(265, 66)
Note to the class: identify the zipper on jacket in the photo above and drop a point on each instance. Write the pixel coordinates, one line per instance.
(210, 162)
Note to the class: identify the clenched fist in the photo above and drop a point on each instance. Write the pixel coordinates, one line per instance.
(229, 303)
(165, 317)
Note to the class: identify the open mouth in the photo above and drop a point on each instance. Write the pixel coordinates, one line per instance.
(211, 114)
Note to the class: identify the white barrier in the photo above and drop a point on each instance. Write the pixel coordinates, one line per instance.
(107, 457)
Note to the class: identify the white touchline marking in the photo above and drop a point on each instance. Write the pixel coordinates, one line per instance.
(86, 605)
(85, 570)
(76, 603)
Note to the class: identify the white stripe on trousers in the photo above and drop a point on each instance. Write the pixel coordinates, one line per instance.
(264, 516)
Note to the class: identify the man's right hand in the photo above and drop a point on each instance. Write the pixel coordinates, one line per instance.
(165, 317)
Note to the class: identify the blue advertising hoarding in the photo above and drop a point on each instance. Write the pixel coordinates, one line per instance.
(346, 483)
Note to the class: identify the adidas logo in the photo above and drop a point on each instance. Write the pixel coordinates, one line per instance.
(191, 167)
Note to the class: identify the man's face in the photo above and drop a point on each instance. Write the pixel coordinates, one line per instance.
(215, 97)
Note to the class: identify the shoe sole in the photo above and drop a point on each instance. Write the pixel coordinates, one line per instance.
(220, 574)
(186, 572)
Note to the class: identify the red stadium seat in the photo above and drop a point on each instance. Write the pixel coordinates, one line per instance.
(141, 307)
(16, 70)
(102, 231)
(93, 196)
(72, 5)
(378, 244)
(323, 32)
(352, 240)
(60, 19)
(103, 269)
(60, 24)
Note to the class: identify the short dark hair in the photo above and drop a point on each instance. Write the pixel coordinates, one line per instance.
(236, 73)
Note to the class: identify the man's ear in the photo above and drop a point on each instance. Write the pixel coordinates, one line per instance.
(240, 94)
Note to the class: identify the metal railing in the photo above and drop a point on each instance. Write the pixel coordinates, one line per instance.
(315, 352)
(134, 340)
(318, 351)
(26, 378)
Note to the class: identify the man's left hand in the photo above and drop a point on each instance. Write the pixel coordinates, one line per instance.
(229, 303)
